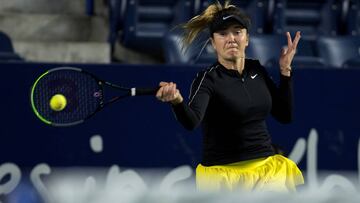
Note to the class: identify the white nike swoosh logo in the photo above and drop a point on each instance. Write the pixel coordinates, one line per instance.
(253, 76)
(226, 17)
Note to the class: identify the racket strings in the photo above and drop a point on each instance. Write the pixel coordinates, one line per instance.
(79, 90)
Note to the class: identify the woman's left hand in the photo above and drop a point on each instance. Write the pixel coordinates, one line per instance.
(287, 54)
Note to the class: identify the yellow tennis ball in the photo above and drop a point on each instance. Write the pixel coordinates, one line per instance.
(58, 102)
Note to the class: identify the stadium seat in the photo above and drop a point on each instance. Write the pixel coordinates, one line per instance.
(267, 49)
(116, 18)
(312, 17)
(260, 12)
(199, 52)
(351, 17)
(147, 21)
(5, 43)
(7, 52)
(341, 51)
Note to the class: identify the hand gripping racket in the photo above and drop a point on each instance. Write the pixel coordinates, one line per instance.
(68, 96)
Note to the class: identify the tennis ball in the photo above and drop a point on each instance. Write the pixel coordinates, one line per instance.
(58, 102)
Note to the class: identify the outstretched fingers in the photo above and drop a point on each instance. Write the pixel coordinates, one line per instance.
(292, 44)
(296, 40)
(289, 40)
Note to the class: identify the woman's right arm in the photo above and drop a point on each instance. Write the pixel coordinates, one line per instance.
(189, 115)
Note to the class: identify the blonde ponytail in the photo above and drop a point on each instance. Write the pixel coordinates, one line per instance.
(200, 22)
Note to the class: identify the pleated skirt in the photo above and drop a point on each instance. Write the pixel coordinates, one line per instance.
(273, 173)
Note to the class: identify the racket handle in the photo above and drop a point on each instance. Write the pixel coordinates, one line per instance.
(143, 91)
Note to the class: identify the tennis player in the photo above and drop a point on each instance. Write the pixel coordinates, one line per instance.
(231, 99)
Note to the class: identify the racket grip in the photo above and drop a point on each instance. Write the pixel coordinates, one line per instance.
(143, 91)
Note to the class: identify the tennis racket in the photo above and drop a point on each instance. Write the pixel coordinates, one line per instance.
(67, 96)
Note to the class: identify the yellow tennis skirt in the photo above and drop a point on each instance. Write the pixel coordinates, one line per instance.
(273, 173)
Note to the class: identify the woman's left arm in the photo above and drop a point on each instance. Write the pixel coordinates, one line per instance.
(282, 94)
(288, 53)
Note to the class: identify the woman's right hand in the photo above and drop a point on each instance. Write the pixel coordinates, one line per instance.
(169, 93)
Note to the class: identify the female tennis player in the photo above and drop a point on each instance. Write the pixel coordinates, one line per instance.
(231, 99)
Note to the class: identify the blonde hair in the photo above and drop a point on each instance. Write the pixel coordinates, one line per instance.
(200, 22)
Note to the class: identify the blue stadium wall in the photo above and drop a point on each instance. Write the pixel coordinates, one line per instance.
(142, 132)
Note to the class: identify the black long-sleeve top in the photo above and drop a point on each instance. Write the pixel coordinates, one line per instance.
(232, 109)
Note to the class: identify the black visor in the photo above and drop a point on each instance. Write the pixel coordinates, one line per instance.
(227, 17)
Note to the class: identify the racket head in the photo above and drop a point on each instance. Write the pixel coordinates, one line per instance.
(82, 90)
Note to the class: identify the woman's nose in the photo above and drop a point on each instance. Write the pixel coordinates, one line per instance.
(231, 37)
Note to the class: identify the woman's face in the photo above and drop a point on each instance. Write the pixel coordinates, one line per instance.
(230, 43)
